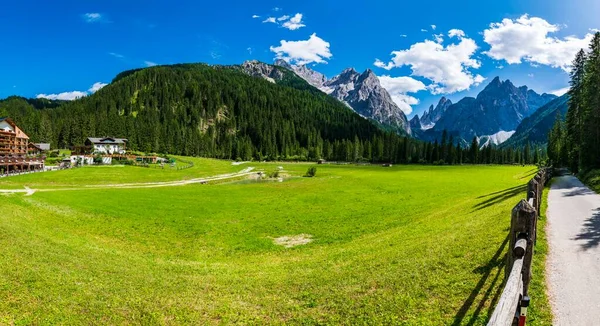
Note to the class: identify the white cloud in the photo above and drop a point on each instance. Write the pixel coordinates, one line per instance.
(560, 91)
(527, 39)
(116, 55)
(439, 38)
(97, 86)
(433, 27)
(66, 96)
(313, 50)
(530, 75)
(270, 20)
(150, 63)
(255, 16)
(449, 68)
(92, 17)
(424, 30)
(294, 23)
(276, 9)
(398, 87)
(249, 49)
(403, 35)
(500, 67)
(284, 17)
(70, 96)
(456, 32)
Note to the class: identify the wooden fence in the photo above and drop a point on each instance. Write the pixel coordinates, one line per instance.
(188, 164)
(512, 306)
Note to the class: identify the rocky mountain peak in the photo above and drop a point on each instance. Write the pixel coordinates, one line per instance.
(314, 78)
(259, 69)
(496, 112)
(433, 115)
(415, 123)
(363, 93)
(283, 63)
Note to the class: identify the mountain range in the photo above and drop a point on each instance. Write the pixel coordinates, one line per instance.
(492, 117)
(311, 110)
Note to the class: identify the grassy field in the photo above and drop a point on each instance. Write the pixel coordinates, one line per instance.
(409, 245)
(114, 174)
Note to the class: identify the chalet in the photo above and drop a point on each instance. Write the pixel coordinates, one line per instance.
(34, 149)
(13, 141)
(14, 150)
(106, 145)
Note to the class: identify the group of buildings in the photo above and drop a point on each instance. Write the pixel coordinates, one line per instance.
(18, 155)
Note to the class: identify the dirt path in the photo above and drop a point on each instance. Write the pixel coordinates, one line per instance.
(573, 264)
(245, 172)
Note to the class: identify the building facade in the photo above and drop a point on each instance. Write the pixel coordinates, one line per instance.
(13, 141)
(14, 150)
(107, 145)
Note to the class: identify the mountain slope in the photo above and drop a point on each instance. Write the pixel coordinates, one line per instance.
(433, 115)
(499, 107)
(361, 92)
(211, 111)
(415, 123)
(535, 128)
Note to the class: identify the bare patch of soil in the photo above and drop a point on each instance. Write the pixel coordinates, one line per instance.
(290, 241)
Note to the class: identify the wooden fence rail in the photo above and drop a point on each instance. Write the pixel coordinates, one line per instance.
(512, 306)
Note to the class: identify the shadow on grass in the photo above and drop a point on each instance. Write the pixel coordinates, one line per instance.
(500, 192)
(590, 232)
(500, 196)
(497, 262)
(530, 173)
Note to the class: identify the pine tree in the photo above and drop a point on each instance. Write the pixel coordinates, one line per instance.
(573, 120)
(474, 151)
(591, 103)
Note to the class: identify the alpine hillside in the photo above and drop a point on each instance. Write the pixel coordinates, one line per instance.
(535, 128)
(360, 91)
(209, 111)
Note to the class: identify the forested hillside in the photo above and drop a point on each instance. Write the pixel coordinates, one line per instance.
(535, 128)
(221, 112)
(574, 142)
(195, 109)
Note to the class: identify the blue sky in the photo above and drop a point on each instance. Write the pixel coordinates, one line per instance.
(53, 47)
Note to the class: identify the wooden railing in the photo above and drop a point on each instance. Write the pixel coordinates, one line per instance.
(188, 164)
(512, 306)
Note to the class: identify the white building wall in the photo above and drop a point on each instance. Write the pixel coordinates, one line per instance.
(109, 149)
(89, 160)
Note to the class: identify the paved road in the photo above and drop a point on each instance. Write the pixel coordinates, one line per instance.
(573, 264)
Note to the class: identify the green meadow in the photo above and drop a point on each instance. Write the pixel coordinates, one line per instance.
(407, 245)
(116, 174)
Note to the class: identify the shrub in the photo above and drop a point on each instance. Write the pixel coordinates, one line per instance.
(274, 174)
(311, 172)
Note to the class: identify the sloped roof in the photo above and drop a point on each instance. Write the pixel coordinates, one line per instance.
(18, 131)
(43, 146)
(107, 140)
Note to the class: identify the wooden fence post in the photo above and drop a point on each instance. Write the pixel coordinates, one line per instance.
(522, 226)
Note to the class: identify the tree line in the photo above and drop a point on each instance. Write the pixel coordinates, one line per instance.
(574, 142)
(220, 112)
